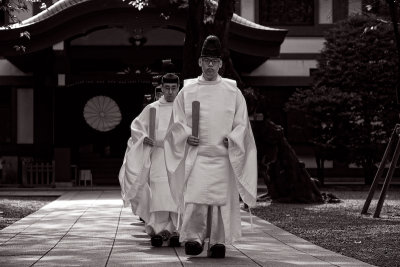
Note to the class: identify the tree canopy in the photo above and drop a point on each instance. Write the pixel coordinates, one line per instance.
(352, 105)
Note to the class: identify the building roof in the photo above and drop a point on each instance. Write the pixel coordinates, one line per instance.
(67, 19)
(53, 10)
(247, 23)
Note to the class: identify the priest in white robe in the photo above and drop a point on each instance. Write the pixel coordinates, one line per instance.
(208, 172)
(143, 176)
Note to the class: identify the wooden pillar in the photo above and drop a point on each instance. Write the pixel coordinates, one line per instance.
(62, 158)
(340, 10)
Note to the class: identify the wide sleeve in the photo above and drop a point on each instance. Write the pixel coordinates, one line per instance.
(176, 150)
(135, 168)
(243, 153)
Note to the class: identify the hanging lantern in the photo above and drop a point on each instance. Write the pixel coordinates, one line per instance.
(102, 113)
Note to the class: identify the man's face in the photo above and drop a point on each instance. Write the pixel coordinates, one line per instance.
(210, 67)
(158, 93)
(170, 90)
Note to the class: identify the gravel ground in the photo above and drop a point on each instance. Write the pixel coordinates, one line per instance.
(14, 208)
(341, 228)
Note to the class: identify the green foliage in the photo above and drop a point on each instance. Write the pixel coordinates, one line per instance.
(326, 117)
(352, 105)
(11, 7)
(379, 7)
(359, 52)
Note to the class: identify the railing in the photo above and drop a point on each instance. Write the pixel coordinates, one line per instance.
(38, 173)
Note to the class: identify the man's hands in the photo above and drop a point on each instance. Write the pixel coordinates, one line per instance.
(193, 140)
(148, 141)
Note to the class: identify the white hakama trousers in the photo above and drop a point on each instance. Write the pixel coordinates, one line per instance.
(163, 211)
(141, 204)
(161, 221)
(202, 221)
(211, 199)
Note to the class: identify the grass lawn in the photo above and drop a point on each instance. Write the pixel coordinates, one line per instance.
(14, 208)
(341, 228)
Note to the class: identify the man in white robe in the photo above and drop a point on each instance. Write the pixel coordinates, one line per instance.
(143, 176)
(207, 172)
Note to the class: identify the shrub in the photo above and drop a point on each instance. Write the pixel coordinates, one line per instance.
(352, 104)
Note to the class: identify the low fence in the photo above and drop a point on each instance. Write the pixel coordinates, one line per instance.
(38, 173)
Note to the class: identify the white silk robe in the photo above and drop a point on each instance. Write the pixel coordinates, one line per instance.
(210, 173)
(143, 176)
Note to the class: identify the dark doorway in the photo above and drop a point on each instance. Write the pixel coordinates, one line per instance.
(99, 149)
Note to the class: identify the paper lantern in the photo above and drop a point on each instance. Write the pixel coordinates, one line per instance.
(102, 113)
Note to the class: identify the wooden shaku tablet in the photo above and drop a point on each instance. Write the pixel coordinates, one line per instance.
(152, 123)
(195, 118)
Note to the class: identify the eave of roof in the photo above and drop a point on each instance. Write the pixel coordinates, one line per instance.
(69, 18)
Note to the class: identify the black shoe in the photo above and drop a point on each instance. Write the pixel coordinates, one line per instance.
(156, 241)
(174, 241)
(164, 234)
(193, 248)
(216, 251)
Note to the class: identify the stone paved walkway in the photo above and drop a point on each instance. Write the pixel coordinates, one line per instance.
(91, 228)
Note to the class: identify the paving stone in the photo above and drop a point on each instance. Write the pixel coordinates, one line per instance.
(28, 249)
(71, 260)
(143, 255)
(35, 192)
(33, 238)
(15, 228)
(78, 241)
(233, 257)
(4, 237)
(91, 228)
(18, 261)
(340, 260)
(77, 251)
(293, 250)
(28, 245)
(87, 235)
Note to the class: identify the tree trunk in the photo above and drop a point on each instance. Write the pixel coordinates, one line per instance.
(320, 169)
(394, 16)
(196, 33)
(286, 177)
(369, 171)
(193, 39)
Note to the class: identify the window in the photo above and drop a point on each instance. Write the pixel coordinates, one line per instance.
(5, 115)
(286, 12)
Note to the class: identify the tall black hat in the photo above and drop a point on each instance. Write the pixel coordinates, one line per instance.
(211, 47)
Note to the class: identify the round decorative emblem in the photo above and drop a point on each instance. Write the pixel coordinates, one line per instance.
(102, 113)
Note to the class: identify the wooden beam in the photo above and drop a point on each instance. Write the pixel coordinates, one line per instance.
(16, 81)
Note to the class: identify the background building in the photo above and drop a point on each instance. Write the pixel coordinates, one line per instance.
(70, 91)
(278, 77)
(82, 55)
